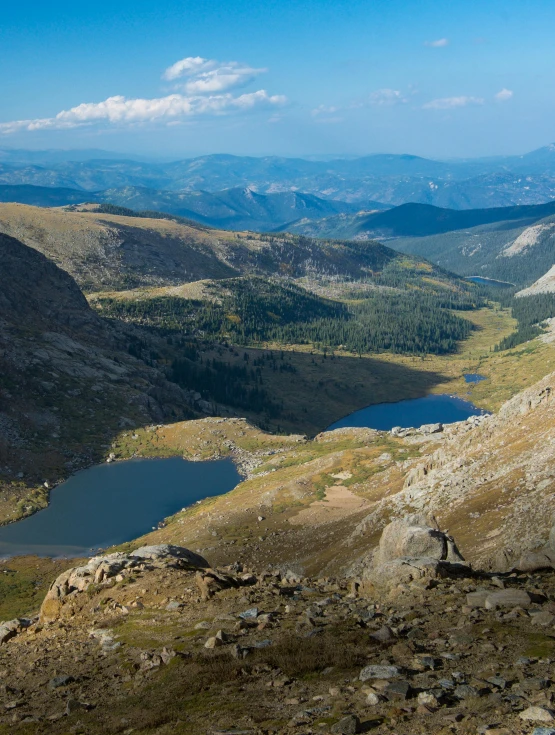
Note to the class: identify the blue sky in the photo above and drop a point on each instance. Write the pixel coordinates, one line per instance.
(289, 77)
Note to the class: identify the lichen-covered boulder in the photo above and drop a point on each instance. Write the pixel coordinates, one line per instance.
(100, 569)
(413, 537)
(412, 550)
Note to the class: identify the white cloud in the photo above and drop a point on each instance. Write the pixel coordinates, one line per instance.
(503, 95)
(205, 94)
(119, 110)
(187, 67)
(448, 103)
(439, 43)
(206, 76)
(387, 97)
(326, 114)
(324, 110)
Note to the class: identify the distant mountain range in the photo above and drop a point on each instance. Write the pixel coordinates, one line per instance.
(232, 209)
(387, 178)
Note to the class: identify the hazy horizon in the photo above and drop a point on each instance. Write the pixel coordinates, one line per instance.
(144, 156)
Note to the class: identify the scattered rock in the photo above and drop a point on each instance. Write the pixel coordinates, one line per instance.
(397, 691)
(348, 725)
(508, 598)
(537, 714)
(383, 635)
(60, 681)
(378, 671)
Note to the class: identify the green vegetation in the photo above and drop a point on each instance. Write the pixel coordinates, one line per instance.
(24, 581)
(530, 312)
(250, 311)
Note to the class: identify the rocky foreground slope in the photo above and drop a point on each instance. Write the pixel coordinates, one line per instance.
(156, 641)
(323, 595)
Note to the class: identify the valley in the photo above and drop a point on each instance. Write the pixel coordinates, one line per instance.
(277, 368)
(131, 341)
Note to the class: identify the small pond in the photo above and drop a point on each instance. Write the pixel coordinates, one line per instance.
(112, 503)
(474, 377)
(414, 412)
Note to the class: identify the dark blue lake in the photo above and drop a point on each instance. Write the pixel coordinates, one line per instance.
(112, 503)
(414, 412)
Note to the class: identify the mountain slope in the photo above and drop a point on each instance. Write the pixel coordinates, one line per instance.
(508, 251)
(67, 382)
(545, 284)
(513, 244)
(420, 220)
(42, 196)
(112, 252)
(234, 209)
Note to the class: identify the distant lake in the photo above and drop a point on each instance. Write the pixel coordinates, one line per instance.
(489, 281)
(414, 412)
(112, 503)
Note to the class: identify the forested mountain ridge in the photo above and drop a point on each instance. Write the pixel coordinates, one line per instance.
(106, 252)
(415, 317)
(512, 244)
(517, 252)
(420, 220)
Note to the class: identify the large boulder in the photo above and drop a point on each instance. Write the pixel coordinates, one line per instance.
(414, 537)
(540, 555)
(413, 550)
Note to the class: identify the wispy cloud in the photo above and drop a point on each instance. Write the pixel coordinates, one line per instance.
(324, 110)
(387, 97)
(503, 95)
(438, 43)
(327, 114)
(204, 96)
(448, 103)
(205, 76)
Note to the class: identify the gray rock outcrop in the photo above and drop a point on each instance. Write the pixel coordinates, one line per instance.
(538, 556)
(413, 550)
(414, 537)
(101, 569)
